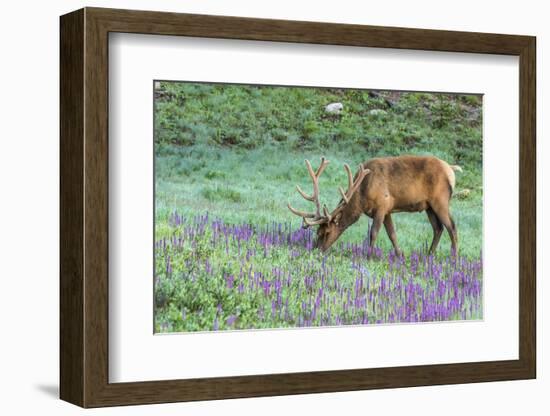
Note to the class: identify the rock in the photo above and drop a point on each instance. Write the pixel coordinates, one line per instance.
(465, 193)
(378, 112)
(334, 108)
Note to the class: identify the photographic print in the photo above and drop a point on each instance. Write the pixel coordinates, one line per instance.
(293, 207)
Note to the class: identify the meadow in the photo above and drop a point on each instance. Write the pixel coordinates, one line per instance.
(229, 254)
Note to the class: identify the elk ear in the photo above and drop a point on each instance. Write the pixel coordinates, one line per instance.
(337, 218)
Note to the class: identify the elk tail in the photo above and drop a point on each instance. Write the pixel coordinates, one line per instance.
(450, 172)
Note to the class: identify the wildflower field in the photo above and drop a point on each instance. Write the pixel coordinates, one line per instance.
(229, 254)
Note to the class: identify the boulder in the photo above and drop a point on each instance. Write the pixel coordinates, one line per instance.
(334, 108)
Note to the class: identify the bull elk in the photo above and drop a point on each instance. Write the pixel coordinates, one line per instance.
(381, 187)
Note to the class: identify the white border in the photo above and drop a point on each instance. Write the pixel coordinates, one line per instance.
(135, 354)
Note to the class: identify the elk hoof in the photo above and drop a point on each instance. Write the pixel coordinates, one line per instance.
(372, 256)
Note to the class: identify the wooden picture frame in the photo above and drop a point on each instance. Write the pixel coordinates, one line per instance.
(84, 207)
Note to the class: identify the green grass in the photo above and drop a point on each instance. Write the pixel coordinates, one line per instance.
(389, 123)
(260, 182)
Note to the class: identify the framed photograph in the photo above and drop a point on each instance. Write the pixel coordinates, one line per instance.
(254, 207)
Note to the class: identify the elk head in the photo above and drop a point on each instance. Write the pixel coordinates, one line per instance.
(331, 224)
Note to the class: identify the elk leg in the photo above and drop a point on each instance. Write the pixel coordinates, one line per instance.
(437, 228)
(447, 221)
(388, 225)
(451, 228)
(376, 224)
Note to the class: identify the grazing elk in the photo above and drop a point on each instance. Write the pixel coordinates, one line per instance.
(381, 187)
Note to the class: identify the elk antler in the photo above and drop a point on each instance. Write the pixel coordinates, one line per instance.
(353, 185)
(316, 218)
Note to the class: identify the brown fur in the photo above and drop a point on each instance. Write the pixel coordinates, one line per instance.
(399, 184)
